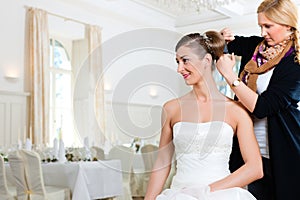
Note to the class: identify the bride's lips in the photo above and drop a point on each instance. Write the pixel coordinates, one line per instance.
(185, 76)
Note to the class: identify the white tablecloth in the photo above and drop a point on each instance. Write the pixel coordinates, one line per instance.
(87, 180)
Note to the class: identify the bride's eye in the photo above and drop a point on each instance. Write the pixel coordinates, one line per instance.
(185, 60)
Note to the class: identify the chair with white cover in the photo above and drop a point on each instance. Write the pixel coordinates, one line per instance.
(6, 193)
(18, 170)
(35, 181)
(171, 174)
(149, 153)
(99, 153)
(125, 154)
(26, 168)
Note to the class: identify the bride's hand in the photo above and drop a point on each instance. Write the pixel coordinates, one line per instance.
(225, 64)
(199, 192)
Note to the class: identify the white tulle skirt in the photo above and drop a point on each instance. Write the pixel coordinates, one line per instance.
(202, 193)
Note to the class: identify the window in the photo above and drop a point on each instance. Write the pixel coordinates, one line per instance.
(61, 83)
(221, 82)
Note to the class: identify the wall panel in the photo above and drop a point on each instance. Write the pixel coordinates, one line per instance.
(13, 117)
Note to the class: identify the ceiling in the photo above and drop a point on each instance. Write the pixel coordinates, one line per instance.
(239, 15)
(190, 14)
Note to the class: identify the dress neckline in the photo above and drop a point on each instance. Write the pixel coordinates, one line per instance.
(203, 123)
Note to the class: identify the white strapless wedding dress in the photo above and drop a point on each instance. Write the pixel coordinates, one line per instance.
(202, 155)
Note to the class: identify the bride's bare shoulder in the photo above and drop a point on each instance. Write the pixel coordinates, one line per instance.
(236, 108)
(171, 104)
(175, 103)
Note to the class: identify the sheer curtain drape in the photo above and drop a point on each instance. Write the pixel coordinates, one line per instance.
(96, 87)
(38, 53)
(80, 103)
(39, 77)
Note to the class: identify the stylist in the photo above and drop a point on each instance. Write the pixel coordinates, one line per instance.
(269, 87)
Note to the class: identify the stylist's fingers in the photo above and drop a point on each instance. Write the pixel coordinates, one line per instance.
(225, 64)
(227, 57)
(233, 57)
(223, 31)
(230, 58)
(226, 60)
(227, 34)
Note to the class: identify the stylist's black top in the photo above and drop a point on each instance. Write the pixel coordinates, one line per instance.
(279, 104)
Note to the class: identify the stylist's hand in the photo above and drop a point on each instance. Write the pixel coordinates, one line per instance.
(225, 66)
(227, 34)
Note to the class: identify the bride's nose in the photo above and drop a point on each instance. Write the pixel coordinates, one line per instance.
(180, 67)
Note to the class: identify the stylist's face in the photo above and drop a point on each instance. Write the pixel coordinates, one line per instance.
(272, 32)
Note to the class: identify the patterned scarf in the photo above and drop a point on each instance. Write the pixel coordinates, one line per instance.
(263, 60)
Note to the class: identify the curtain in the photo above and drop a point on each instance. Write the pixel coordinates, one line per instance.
(38, 52)
(80, 97)
(79, 54)
(96, 85)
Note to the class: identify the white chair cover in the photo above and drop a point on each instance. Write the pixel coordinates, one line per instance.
(125, 154)
(171, 174)
(5, 193)
(99, 153)
(149, 153)
(35, 182)
(18, 170)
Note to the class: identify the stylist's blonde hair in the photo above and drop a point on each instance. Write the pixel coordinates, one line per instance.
(283, 12)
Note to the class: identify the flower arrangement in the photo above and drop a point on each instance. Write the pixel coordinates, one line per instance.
(4, 157)
(136, 143)
(71, 154)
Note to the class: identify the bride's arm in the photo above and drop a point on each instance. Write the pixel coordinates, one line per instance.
(163, 162)
(252, 169)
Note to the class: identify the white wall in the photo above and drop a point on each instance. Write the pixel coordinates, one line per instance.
(113, 22)
(114, 16)
(132, 72)
(12, 20)
(12, 17)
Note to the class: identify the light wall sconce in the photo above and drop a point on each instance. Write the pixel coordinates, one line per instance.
(12, 76)
(107, 87)
(153, 93)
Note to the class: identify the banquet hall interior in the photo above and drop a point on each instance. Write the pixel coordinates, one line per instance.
(82, 85)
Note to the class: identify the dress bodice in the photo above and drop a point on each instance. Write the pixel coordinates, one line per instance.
(202, 152)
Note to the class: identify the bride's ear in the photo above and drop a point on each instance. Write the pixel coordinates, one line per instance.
(207, 59)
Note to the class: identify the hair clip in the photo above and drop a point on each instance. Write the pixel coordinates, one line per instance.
(207, 41)
(204, 36)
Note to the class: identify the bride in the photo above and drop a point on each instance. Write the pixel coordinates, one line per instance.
(198, 127)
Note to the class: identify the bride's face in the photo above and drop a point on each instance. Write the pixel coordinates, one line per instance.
(190, 66)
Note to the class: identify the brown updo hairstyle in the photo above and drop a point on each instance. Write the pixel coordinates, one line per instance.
(283, 12)
(211, 42)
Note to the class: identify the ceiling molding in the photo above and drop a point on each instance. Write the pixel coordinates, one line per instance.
(233, 10)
